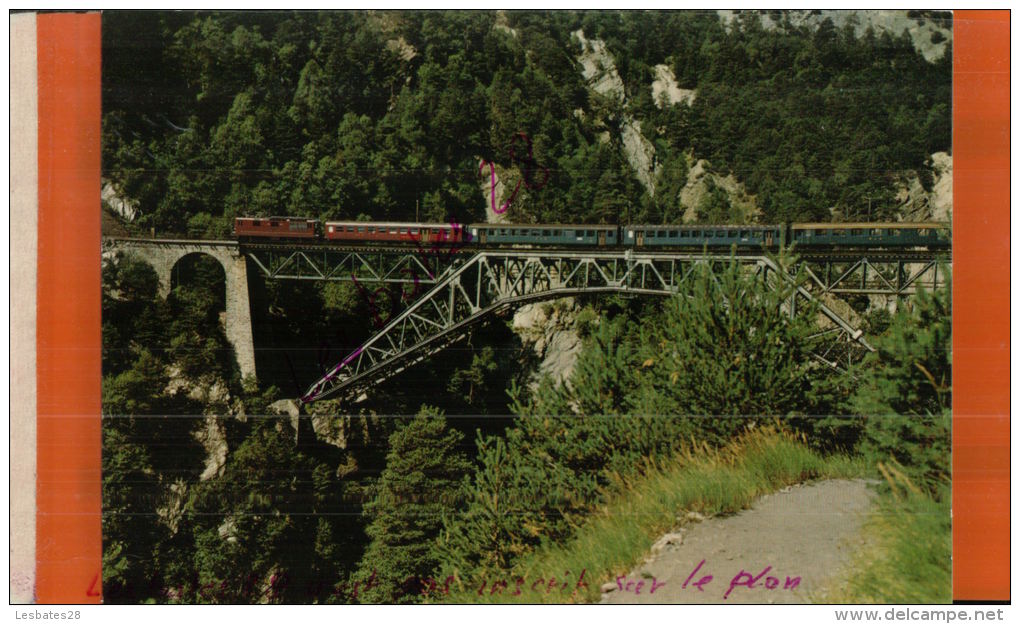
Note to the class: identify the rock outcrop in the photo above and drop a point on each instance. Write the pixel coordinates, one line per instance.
(665, 89)
(929, 35)
(213, 439)
(124, 208)
(700, 180)
(917, 204)
(599, 70)
(550, 330)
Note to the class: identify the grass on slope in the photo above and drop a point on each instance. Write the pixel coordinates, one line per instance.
(910, 557)
(618, 536)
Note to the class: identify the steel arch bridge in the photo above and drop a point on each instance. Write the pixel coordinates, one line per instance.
(490, 282)
(455, 289)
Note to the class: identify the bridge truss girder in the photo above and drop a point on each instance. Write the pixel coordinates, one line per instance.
(321, 263)
(493, 282)
(896, 274)
(899, 275)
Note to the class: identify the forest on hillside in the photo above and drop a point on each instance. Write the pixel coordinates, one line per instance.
(385, 115)
(470, 465)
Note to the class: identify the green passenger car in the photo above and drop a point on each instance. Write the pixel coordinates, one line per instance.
(551, 235)
(701, 235)
(870, 234)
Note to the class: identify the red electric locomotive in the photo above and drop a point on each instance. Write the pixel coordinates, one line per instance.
(275, 227)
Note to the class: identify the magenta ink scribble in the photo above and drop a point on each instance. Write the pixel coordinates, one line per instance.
(316, 390)
(492, 187)
(527, 166)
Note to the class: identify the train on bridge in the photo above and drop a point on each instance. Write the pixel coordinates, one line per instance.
(899, 235)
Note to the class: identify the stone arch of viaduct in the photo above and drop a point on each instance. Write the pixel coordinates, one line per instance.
(164, 255)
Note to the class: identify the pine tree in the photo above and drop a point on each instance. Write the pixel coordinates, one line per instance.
(507, 498)
(424, 469)
(728, 347)
(910, 371)
(906, 392)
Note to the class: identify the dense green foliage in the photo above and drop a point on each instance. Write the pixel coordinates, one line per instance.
(906, 392)
(622, 407)
(170, 532)
(421, 481)
(282, 509)
(389, 115)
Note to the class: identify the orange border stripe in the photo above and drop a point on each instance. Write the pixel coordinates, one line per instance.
(68, 343)
(981, 305)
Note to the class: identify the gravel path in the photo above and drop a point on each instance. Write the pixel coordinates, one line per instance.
(782, 550)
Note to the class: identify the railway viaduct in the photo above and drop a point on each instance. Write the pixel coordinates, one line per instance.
(453, 290)
(164, 256)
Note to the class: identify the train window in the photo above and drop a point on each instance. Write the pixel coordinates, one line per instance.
(710, 234)
(732, 233)
(895, 232)
(350, 228)
(922, 232)
(839, 232)
(877, 232)
(414, 231)
(393, 230)
(402, 230)
(856, 232)
(256, 222)
(591, 232)
(545, 232)
(672, 233)
(361, 228)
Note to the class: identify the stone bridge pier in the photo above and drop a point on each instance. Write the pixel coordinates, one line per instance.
(164, 255)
